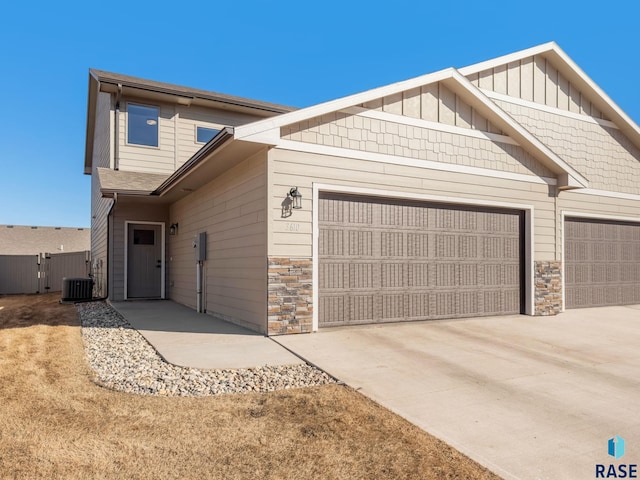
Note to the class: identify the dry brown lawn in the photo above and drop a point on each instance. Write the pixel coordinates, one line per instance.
(56, 423)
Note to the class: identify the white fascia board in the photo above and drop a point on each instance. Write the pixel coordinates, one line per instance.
(245, 131)
(607, 193)
(513, 128)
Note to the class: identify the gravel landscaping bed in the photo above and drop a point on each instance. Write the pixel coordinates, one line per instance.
(123, 360)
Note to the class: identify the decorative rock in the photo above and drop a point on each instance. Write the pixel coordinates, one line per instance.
(122, 360)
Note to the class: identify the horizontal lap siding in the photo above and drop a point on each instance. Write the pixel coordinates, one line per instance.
(292, 236)
(232, 210)
(190, 117)
(100, 206)
(122, 213)
(139, 158)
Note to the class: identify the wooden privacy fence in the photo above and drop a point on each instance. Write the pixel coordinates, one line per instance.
(40, 273)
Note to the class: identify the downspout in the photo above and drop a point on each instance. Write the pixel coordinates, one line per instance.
(116, 134)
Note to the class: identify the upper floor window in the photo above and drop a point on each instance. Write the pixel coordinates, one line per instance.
(203, 134)
(142, 125)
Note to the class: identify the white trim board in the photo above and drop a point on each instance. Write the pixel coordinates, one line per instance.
(598, 216)
(544, 108)
(607, 193)
(528, 232)
(420, 123)
(296, 146)
(126, 254)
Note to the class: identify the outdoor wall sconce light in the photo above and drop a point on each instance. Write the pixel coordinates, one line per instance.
(296, 198)
(173, 229)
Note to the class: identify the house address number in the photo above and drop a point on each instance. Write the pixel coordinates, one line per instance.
(292, 227)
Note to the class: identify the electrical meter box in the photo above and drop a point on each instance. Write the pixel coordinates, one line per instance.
(200, 246)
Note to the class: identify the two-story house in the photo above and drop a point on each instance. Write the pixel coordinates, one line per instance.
(510, 186)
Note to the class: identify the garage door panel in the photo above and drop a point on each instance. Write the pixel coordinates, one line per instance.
(415, 261)
(601, 263)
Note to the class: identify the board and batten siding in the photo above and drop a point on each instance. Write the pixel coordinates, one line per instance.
(603, 154)
(123, 212)
(292, 236)
(102, 154)
(434, 102)
(537, 80)
(232, 210)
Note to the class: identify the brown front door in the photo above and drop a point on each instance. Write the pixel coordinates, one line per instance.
(144, 258)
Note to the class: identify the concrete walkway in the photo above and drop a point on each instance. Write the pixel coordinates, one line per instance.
(528, 397)
(190, 339)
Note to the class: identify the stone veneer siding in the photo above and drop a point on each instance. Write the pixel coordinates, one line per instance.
(290, 301)
(548, 288)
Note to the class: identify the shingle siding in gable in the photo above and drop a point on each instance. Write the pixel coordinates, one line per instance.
(385, 137)
(602, 154)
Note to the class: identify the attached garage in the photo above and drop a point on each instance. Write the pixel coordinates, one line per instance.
(602, 262)
(386, 260)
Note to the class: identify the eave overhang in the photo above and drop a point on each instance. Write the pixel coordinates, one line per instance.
(575, 75)
(268, 131)
(100, 81)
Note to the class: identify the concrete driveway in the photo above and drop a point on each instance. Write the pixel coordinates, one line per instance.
(528, 397)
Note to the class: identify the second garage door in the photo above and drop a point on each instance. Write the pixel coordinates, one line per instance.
(383, 260)
(602, 263)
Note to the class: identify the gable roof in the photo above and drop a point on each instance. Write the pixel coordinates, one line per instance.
(267, 130)
(572, 72)
(101, 81)
(127, 183)
(33, 240)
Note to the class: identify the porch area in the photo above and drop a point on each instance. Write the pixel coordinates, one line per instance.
(183, 337)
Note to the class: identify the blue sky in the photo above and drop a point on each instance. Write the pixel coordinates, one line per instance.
(294, 53)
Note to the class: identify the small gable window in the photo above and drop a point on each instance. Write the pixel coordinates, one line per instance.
(142, 125)
(203, 134)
